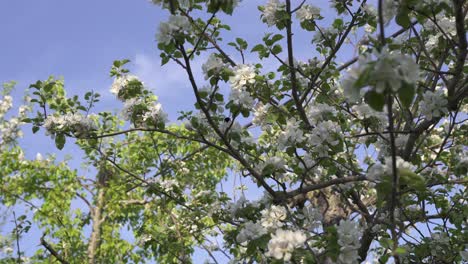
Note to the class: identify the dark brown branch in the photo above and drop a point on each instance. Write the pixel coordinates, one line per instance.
(53, 251)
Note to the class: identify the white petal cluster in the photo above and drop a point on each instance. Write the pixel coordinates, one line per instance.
(364, 111)
(349, 234)
(241, 97)
(155, 114)
(260, 114)
(129, 107)
(377, 171)
(291, 134)
(169, 185)
(283, 242)
(273, 217)
(250, 231)
(234, 208)
(442, 22)
(370, 10)
(316, 111)
(323, 135)
(10, 131)
(176, 26)
(70, 122)
(392, 68)
(325, 34)
(120, 83)
(270, 11)
(307, 12)
(212, 65)
(5, 105)
(385, 68)
(433, 104)
(312, 217)
(243, 75)
(389, 8)
(277, 163)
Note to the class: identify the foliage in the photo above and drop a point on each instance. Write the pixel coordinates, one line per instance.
(359, 161)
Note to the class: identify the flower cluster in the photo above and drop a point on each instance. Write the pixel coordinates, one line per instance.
(323, 136)
(316, 112)
(75, 123)
(308, 12)
(10, 130)
(312, 217)
(176, 26)
(349, 234)
(378, 170)
(260, 114)
(388, 69)
(213, 65)
(291, 134)
(433, 104)
(270, 11)
(139, 107)
(5, 105)
(283, 243)
(273, 217)
(241, 97)
(250, 231)
(155, 114)
(243, 76)
(124, 83)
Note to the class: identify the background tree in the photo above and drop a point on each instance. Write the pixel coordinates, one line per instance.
(362, 160)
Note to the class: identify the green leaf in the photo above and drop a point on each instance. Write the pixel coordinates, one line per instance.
(375, 100)
(403, 19)
(60, 141)
(276, 49)
(406, 94)
(258, 47)
(277, 37)
(35, 129)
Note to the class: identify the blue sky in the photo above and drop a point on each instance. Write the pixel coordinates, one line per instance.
(79, 40)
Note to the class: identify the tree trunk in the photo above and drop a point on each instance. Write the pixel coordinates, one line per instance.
(97, 220)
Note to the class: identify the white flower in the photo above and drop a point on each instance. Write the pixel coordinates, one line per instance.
(270, 10)
(307, 12)
(312, 217)
(250, 231)
(291, 134)
(370, 10)
(76, 123)
(365, 111)
(176, 26)
(316, 111)
(241, 97)
(433, 104)
(375, 172)
(273, 217)
(389, 8)
(243, 75)
(5, 105)
(39, 157)
(233, 208)
(283, 243)
(277, 163)
(349, 234)
(155, 114)
(382, 69)
(260, 114)
(214, 64)
(129, 107)
(323, 135)
(121, 83)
